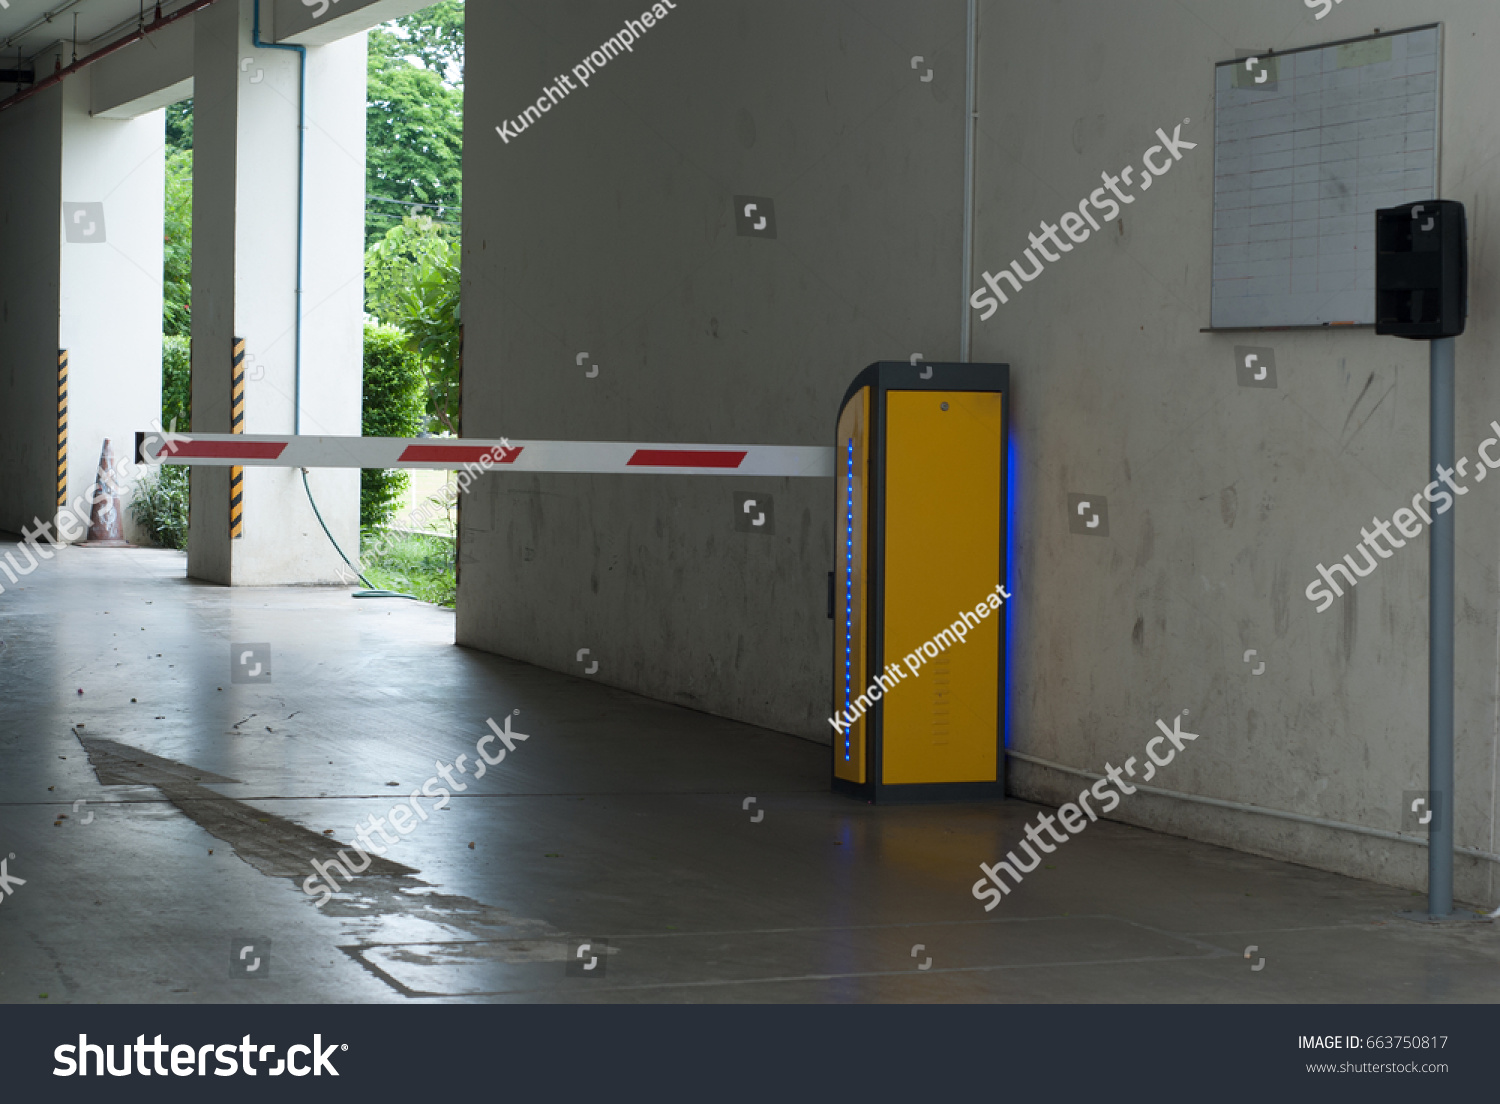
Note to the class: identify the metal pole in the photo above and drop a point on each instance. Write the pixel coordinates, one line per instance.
(1440, 645)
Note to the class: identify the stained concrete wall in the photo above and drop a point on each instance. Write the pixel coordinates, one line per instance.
(31, 135)
(1223, 500)
(611, 233)
(607, 228)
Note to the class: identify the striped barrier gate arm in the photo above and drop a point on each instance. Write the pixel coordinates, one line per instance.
(579, 457)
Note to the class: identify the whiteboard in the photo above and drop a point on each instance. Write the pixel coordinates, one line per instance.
(1307, 145)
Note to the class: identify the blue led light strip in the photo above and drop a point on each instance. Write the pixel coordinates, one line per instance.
(848, 584)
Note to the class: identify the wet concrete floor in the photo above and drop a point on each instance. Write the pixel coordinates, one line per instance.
(166, 820)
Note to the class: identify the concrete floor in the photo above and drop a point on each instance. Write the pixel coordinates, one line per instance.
(157, 836)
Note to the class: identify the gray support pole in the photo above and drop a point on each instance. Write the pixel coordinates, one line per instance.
(1440, 645)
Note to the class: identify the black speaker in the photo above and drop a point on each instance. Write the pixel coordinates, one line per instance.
(1422, 269)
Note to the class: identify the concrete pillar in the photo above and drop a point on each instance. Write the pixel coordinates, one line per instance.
(31, 135)
(245, 226)
(85, 224)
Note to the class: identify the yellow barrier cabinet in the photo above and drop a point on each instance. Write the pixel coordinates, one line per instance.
(919, 645)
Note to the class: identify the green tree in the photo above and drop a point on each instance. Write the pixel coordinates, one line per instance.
(160, 501)
(177, 267)
(435, 38)
(394, 396)
(412, 281)
(414, 152)
(176, 382)
(180, 126)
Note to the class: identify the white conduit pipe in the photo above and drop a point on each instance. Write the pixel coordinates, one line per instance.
(971, 78)
(1243, 807)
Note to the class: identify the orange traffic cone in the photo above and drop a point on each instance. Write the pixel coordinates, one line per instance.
(105, 529)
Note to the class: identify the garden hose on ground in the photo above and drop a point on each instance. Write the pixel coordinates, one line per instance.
(372, 592)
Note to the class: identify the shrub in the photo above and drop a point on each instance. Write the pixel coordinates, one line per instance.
(160, 506)
(160, 501)
(418, 565)
(394, 402)
(412, 279)
(176, 382)
(177, 266)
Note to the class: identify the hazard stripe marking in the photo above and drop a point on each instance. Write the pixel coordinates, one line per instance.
(682, 458)
(223, 450)
(459, 454)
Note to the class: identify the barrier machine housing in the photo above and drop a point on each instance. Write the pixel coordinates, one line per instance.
(920, 473)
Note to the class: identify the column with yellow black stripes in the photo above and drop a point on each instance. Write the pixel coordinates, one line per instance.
(62, 428)
(237, 425)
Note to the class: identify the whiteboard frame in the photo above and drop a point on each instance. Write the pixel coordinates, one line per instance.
(1439, 27)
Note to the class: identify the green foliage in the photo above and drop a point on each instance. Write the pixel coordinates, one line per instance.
(393, 407)
(177, 267)
(160, 501)
(415, 155)
(180, 126)
(434, 37)
(412, 281)
(176, 382)
(414, 151)
(421, 566)
(160, 506)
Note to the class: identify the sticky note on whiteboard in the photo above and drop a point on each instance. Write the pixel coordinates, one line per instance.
(1369, 52)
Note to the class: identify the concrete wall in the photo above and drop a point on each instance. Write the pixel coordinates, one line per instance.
(30, 228)
(1222, 500)
(607, 229)
(320, 22)
(610, 232)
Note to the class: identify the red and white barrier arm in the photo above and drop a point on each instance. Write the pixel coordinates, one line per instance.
(586, 457)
